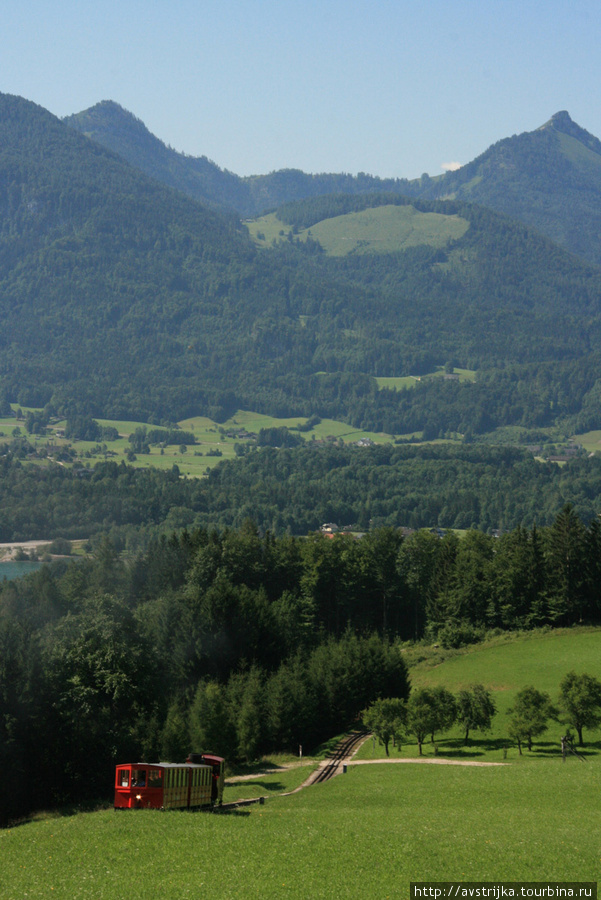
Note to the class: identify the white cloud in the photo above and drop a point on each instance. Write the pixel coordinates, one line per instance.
(450, 166)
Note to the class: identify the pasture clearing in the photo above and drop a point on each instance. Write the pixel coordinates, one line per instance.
(591, 441)
(384, 229)
(214, 441)
(401, 382)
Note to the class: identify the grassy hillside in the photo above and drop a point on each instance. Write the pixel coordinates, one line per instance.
(385, 229)
(505, 665)
(366, 834)
(549, 178)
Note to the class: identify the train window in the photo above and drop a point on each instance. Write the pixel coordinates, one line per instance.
(155, 778)
(138, 777)
(123, 778)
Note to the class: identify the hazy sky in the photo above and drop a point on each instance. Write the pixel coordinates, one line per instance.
(388, 87)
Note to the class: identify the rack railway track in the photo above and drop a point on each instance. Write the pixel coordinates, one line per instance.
(341, 752)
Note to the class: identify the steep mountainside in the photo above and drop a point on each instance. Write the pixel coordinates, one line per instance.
(113, 127)
(122, 297)
(549, 178)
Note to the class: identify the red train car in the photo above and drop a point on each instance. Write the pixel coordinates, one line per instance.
(197, 782)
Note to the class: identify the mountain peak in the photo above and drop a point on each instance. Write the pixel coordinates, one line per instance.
(105, 112)
(562, 119)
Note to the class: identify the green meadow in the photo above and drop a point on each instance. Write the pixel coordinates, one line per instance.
(384, 229)
(365, 834)
(505, 665)
(368, 833)
(591, 441)
(214, 441)
(400, 382)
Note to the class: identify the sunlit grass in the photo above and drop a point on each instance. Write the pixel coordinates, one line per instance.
(383, 229)
(365, 834)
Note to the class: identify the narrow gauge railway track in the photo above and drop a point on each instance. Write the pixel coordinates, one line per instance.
(341, 752)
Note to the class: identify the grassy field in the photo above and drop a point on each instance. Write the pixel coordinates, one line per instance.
(504, 665)
(591, 441)
(213, 442)
(408, 381)
(385, 229)
(366, 834)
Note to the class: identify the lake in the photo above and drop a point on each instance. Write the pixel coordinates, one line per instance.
(13, 569)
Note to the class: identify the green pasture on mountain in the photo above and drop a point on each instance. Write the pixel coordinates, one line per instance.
(384, 229)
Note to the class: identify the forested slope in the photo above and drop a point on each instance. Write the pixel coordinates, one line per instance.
(109, 124)
(120, 297)
(549, 178)
(295, 491)
(247, 643)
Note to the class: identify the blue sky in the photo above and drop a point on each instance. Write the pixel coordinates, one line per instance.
(390, 88)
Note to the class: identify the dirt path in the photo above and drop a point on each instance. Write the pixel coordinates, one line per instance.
(7, 551)
(351, 761)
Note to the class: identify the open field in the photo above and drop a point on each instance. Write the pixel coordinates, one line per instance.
(384, 229)
(364, 834)
(409, 381)
(591, 441)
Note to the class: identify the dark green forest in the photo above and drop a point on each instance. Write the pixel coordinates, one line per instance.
(294, 491)
(244, 643)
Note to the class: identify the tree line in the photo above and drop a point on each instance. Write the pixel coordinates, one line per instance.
(433, 710)
(294, 491)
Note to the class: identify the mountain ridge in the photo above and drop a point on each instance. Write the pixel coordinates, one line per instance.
(122, 297)
(549, 178)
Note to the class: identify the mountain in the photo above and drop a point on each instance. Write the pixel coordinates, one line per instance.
(109, 124)
(549, 178)
(122, 297)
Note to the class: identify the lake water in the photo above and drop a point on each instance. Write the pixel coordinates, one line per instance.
(10, 570)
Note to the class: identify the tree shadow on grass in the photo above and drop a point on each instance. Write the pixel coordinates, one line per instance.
(273, 786)
(545, 749)
(459, 753)
(458, 749)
